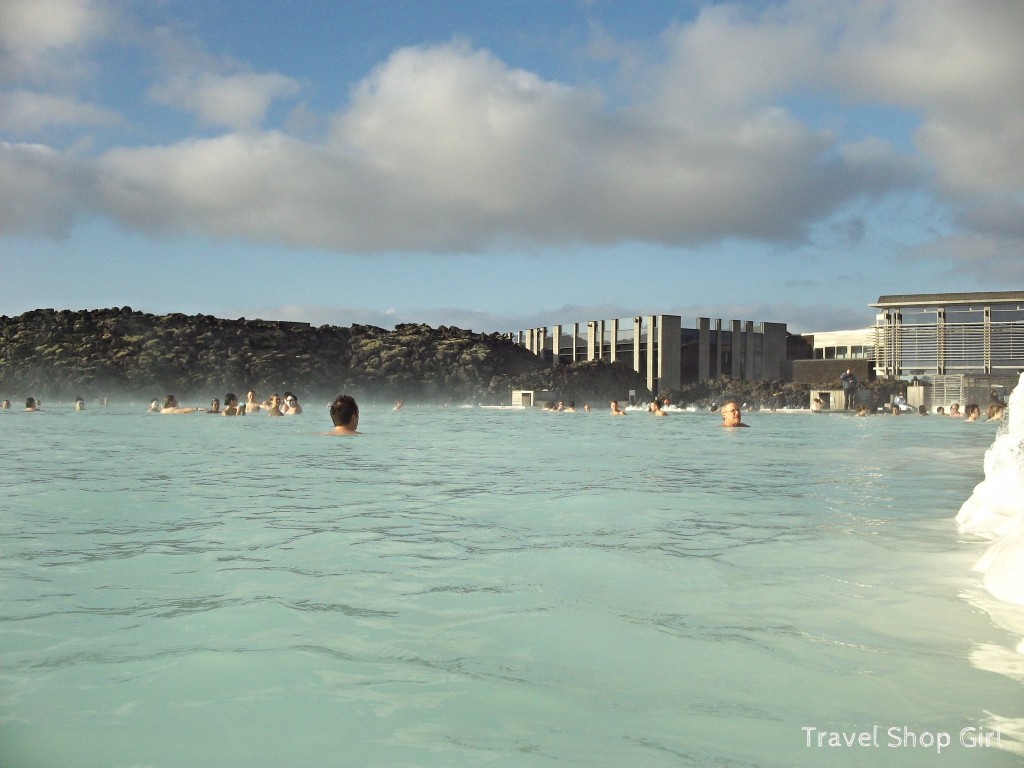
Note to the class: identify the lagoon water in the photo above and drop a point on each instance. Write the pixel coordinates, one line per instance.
(475, 587)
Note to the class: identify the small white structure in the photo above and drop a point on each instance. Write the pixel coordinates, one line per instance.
(843, 345)
(533, 398)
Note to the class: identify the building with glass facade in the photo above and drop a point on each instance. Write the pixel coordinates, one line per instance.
(843, 345)
(939, 334)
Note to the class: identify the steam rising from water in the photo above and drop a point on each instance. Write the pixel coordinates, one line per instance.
(996, 508)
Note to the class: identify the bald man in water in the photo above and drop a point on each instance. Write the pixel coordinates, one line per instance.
(731, 416)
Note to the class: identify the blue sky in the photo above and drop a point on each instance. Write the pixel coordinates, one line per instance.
(502, 165)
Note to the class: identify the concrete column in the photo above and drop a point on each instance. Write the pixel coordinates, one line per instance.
(881, 350)
(600, 340)
(774, 349)
(638, 325)
(652, 366)
(556, 344)
(575, 339)
(718, 350)
(748, 351)
(592, 340)
(940, 341)
(703, 348)
(896, 318)
(542, 340)
(736, 357)
(530, 333)
(669, 351)
(987, 339)
(613, 340)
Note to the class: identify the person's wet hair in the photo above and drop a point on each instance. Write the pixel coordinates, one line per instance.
(343, 409)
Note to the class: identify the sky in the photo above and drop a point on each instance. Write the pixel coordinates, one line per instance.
(501, 164)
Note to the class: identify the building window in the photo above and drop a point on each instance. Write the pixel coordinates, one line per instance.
(1007, 344)
(965, 315)
(965, 346)
(918, 346)
(1008, 314)
(919, 316)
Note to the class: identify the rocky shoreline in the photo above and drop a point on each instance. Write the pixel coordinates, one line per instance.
(118, 352)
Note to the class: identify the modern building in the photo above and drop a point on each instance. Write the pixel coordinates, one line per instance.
(843, 345)
(666, 353)
(961, 347)
(937, 334)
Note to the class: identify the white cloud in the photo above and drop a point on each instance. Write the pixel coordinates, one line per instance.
(975, 256)
(449, 148)
(218, 90)
(961, 65)
(41, 191)
(958, 67)
(246, 186)
(238, 101)
(731, 62)
(36, 36)
(23, 112)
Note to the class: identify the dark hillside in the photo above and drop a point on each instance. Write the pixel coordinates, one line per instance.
(115, 352)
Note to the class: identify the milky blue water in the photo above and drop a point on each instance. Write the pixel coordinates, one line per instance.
(471, 587)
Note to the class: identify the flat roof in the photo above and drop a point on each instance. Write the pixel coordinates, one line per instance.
(854, 334)
(920, 299)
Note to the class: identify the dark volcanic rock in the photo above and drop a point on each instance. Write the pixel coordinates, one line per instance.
(119, 351)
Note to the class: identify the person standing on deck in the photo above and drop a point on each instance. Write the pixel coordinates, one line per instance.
(849, 382)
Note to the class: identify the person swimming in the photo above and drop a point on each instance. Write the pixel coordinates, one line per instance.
(171, 405)
(251, 403)
(231, 407)
(345, 415)
(291, 405)
(275, 406)
(731, 415)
